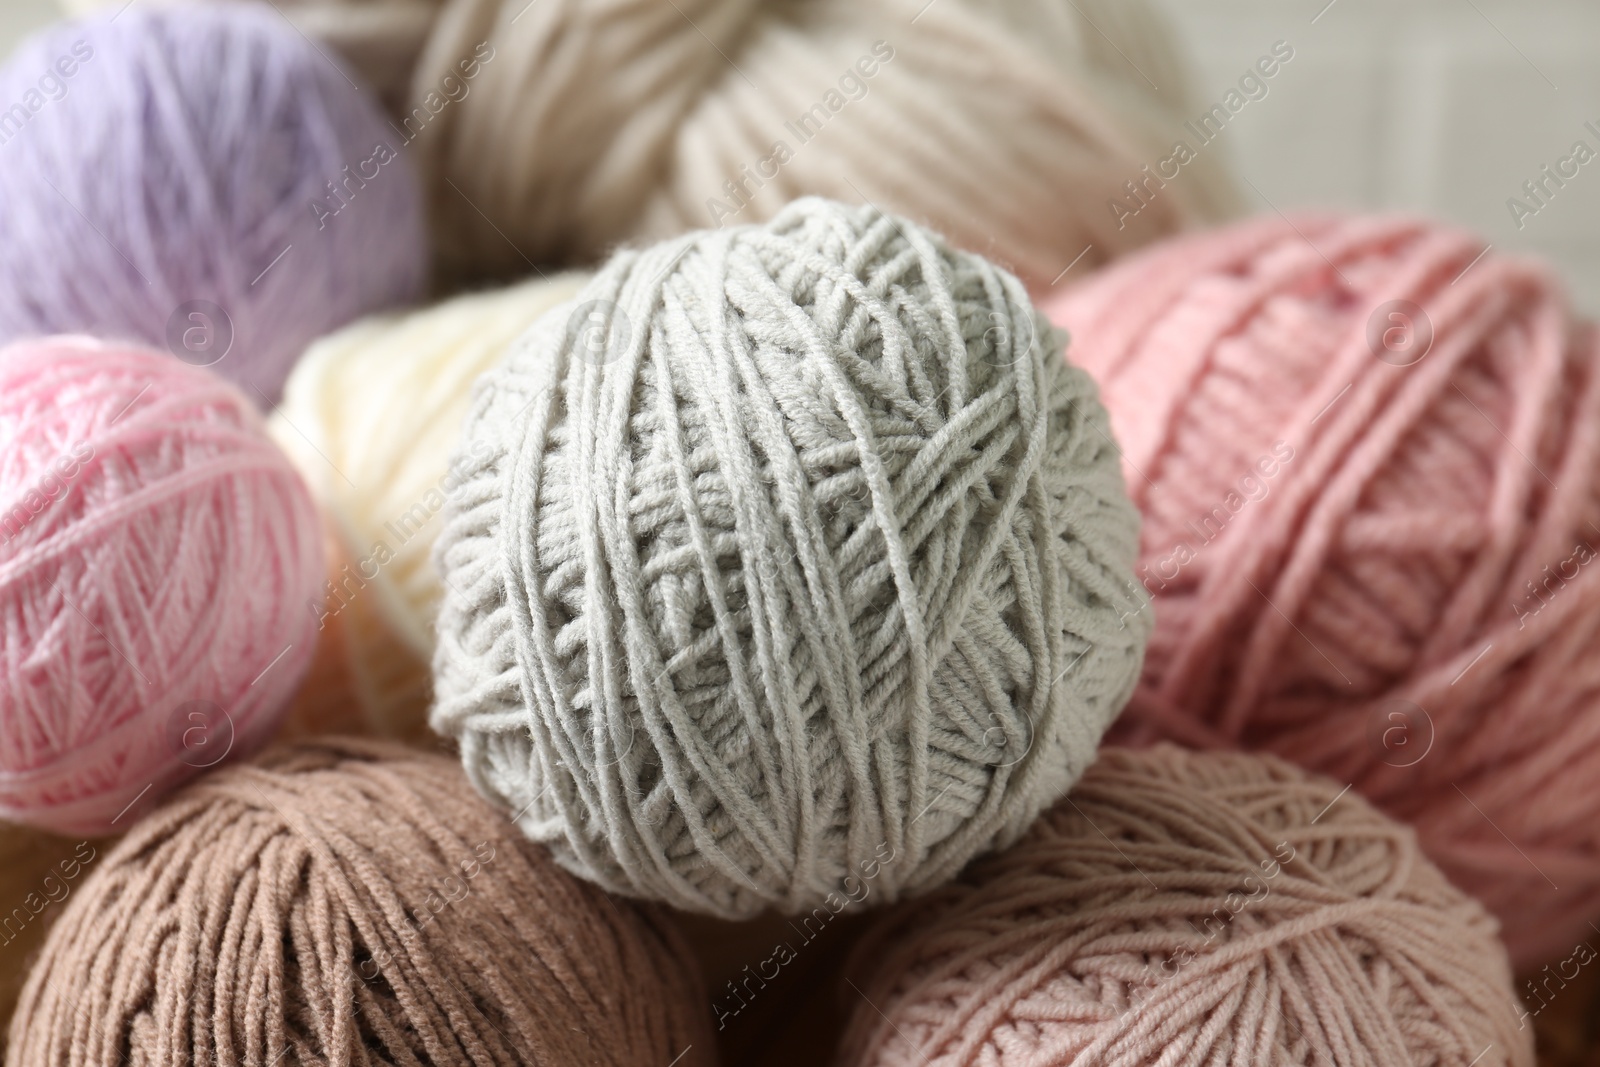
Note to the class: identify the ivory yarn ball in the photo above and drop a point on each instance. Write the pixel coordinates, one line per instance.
(351, 902)
(156, 550)
(369, 417)
(204, 180)
(1368, 456)
(1185, 909)
(782, 550)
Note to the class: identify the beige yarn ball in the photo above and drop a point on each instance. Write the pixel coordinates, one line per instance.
(369, 417)
(1189, 910)
(1005, 127)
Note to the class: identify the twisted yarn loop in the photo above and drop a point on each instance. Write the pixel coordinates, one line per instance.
(781, 549)
(1414, 574)
(155, 552)
(631, 120)
(1185, 909)
(369, 417)
(350, 902)
(208, 182)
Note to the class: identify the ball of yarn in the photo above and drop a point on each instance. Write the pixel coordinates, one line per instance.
(370, 416)
(1366, 453)
(553, 132)
(787, 549)
(1182, 908)
(351, 902)
(206, 181)
(156, 551)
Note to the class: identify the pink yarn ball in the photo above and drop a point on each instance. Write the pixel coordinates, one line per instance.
(156, 555)
(1185, 909)
(1366, 451)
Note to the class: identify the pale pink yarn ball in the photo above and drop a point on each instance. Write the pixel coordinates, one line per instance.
(1367, 453)
(157, 553)
(1184, 909)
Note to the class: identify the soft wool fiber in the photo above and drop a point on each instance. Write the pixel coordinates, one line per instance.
(156, 550)
(1375, 607)
(1185, 910)
(351, 903)
(181, 165)
(788, 547)
(1005, 127)
(370, 416)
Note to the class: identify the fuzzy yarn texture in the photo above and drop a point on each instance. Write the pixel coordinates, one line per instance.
(552, 133)
(351, 902)
(1188, 909)
(1368, 530)
(205, 181)
(38, 872)
(155, 551)
(370, 416)
(789, 549)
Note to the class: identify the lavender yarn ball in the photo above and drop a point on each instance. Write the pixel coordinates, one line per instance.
(201, 179)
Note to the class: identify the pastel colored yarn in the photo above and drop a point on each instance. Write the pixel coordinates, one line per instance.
(370, 416)
(1005, 127)
(156, 549)
(351, 902)
(787, 548)
(1185, 909)
(1376, 606)
(177, 171)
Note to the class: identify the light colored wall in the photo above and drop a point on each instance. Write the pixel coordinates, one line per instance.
(1438, 106)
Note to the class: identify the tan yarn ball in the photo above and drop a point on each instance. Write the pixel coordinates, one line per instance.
(353, 903)
(1193, 909)
(369, 418)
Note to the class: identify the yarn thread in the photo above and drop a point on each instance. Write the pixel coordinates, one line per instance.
(351, 902)
(1403, 604)
(208, 183)
(1184, 909)
(805, 545)
(155, 551)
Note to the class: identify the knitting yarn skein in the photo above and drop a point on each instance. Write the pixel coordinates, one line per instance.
(555, 132)
(1369, 481)
(351, 902)
(1188, 909)
(202, 180)
(370, 416)
(156, 550)
(784, 550)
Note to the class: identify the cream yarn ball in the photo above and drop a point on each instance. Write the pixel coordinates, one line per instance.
(369, 417)
(788, 551)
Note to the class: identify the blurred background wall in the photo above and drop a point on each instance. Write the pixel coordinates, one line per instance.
(1441, 106)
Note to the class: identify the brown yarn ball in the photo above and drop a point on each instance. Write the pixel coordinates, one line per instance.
(1193, 909)
(351, 902)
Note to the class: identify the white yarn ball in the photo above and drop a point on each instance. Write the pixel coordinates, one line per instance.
(787, 558)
